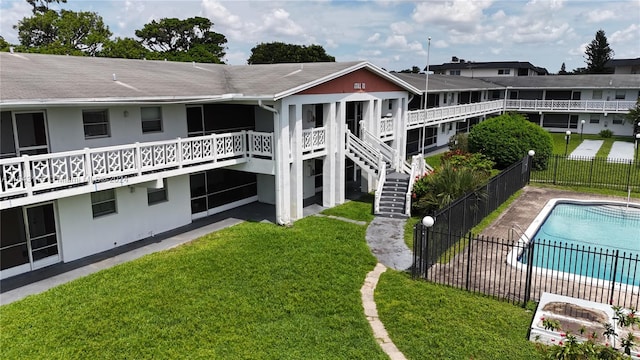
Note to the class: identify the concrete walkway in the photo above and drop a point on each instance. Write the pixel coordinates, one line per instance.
(385, 237)
(621, 150)
(586, 150)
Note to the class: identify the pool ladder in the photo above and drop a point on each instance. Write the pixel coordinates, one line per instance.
(517, 230)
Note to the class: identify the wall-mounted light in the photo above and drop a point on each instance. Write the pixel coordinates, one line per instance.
(126, 113)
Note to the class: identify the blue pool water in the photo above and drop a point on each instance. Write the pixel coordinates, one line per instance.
(586, 239)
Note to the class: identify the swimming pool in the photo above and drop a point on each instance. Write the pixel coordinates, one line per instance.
(583, 240)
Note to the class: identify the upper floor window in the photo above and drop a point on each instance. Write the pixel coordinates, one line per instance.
(596, 95)
(103, 202)
(151, 119)
(504, 71)
(454, 72)
(620, 94)
(96, 123)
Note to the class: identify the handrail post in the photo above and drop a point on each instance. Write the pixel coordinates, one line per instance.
(179, 152)
(88, 171)
(27, 176)
(138, 158)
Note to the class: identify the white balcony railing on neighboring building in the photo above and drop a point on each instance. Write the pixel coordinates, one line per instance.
(599, 106)
(27, 175)
(418, 118)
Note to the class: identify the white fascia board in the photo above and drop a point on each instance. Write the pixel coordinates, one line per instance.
(362, 65)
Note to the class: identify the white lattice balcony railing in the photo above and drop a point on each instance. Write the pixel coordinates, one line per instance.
(314, 140)
(416, 118)
(386, 128)
(597, 106)
(29, 174)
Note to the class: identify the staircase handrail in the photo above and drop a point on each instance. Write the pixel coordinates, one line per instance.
(363, 149)
(379, 189)
(389, 153)
(418, 168)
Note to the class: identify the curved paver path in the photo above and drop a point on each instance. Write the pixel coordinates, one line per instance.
(385, 237)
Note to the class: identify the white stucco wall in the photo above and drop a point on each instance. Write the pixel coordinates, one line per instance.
(66, 131)
(81, 235)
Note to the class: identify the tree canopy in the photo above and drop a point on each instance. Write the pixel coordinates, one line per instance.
(191, 39)
(42, 6)
(598, 53)
(67, 32)
(279, 52)
(414, 70)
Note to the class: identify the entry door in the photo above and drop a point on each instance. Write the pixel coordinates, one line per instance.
(30, 132)
(355, 113)
(42, 237)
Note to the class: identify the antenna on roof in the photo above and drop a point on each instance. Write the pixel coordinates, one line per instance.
(11, 49)
(114, 77)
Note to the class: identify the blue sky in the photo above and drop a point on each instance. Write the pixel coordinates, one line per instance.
(390, 34)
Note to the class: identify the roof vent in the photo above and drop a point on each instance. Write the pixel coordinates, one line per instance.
(114, 77)
(11, 49)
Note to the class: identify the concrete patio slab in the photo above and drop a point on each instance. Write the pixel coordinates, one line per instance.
(586, 150)
(621, 151)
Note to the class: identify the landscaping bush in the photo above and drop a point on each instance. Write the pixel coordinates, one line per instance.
(476, 161)
(605, 134)
(507, 138)
(459, 142)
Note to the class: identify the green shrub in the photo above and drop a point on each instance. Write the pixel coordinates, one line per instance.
(459, 142)
(605, 134)
(476, 161)
(507, 138)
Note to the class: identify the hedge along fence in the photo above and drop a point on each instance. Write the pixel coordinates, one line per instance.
(596, 172)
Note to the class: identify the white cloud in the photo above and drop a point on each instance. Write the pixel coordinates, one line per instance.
(401, 28)
(461, 15)
(544, 5)
(374, 38)
(631, 33)
(280, 23)
(11, 16)
(441, 44)
(331, 44)
(595, 16)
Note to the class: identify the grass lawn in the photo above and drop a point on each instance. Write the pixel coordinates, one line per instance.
(559, 142)
(429, 321)
(360, 209)
(252, 291)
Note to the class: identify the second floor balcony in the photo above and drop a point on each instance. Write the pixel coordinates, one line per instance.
(586, 106)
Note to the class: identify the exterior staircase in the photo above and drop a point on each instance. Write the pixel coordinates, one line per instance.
(393, 196)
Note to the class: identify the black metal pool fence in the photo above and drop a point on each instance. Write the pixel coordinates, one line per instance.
(594, 172)
(519, 271)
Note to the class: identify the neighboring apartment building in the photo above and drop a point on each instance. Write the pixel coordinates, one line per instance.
(461, 67)
(624, 66)
(97, 153)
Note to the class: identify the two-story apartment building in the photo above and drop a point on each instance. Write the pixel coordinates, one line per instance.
(460, 67)
(97, 152)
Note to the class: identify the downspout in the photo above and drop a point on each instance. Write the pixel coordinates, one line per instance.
(278, 189)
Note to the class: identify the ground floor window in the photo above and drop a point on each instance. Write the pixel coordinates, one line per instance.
(103, 202)
(156, 196)
(214, 188)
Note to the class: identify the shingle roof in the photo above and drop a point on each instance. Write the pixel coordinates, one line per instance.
(446, 82)
(38, 77)
(600, 81)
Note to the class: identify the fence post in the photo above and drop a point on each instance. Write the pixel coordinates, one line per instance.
(555, 169)
(468, 262)
(629, 174)
(613, 277)
(416, 247)
(529, 275)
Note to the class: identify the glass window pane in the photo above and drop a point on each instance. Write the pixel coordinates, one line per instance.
(31, 129)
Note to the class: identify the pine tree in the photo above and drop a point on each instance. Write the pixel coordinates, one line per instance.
(598, 53)
(563, 70)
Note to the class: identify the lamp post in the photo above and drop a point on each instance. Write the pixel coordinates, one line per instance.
(426, 95)
(531, 153)
(427, 223)
(567, 137)
(637, 148)
(581, 128)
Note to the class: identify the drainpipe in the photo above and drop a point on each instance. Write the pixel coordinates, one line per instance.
(279, 218)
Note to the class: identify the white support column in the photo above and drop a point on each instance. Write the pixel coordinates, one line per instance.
(296, 172)
(369, 113)
(400, 128)
(329, 166)
(282, 143)
(340, 121)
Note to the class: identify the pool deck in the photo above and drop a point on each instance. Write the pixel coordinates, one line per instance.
(526, 207)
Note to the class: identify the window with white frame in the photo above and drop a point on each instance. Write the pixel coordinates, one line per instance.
(95, 123)
(504, 71)
(103, 202)
(151, 119)
(156, 196)
(454, 72)
(620, 94)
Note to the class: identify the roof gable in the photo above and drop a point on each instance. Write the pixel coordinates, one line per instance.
(359, 81)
